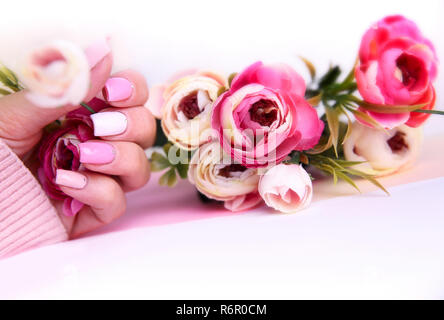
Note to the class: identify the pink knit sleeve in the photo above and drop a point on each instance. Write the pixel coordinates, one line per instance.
(27, 217)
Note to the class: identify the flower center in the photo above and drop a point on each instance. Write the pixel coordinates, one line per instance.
(410, 69)
(189, 106)
(48, 56)
(263, 112)
(229, 169)
(65, 159)
(397, 142)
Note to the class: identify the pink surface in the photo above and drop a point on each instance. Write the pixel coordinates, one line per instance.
(155, 205)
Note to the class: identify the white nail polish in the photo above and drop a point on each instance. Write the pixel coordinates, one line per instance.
(109, 123)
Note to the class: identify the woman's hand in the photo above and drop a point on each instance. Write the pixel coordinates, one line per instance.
(115, 161)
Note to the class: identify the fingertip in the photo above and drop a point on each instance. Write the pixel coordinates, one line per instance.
(99, 75)
(126, 89)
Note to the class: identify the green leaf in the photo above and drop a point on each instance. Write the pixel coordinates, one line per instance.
(8, 78)
(182, 169)
(333, 125)
(349, 180)
(230, 78)
(330, 77)
(221, 91)
(331, 170)
(159, 162)
(295, 157)
(349, 125)
(166, 147)
(346, 163)
(366, 118)
(4, 92)
(335, 89)
(314, 101)
(310, 93)
(161, 138)
(9, 74)
(351, 75)
(380, 108)
(324, 144)
(369, 178)
(339, 168)
(169, 178)
(310, 66)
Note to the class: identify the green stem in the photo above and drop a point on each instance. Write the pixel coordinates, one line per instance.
(430, 111)
(87, 107)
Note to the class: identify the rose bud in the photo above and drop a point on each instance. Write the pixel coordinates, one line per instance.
(384, 153)
(214, 175)
(286, 188)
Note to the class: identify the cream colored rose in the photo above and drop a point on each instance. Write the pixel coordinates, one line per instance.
(186, 109)
(384, 153)
(214, 175)
(56, 74)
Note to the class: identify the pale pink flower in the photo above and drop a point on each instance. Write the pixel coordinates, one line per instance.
(286, 188)
(56, 74)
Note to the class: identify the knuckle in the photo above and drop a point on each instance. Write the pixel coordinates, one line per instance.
(111, 194)
(148, 133)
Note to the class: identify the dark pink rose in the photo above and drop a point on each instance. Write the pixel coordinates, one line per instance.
(58, 150)
(264, 116)
(397, 67)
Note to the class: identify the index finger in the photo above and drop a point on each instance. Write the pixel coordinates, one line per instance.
(126, 89)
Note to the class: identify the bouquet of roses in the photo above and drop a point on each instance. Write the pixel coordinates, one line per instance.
(259, 136)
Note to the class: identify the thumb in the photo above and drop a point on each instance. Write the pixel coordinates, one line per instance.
(23, 115)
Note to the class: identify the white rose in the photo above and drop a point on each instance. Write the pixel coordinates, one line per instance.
(214, 175)
(186, 109)
(56, 74)
(383, 153)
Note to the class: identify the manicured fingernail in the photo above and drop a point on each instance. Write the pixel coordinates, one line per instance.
(97, 51)
(96, 152)
(109, 123)
(70, 179)
(117, 89)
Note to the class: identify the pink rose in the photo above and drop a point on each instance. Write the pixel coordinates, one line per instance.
(286, 188)
(59, 150)
(397, 67)
(264, 116)
(243, 202)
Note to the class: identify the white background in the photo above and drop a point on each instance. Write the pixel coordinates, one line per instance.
(355, 247)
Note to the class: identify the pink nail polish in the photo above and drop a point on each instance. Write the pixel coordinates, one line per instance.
(70, 179)
(96, 152)
(117, 89)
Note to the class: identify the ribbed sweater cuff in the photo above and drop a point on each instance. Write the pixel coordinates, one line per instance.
(27, 217)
